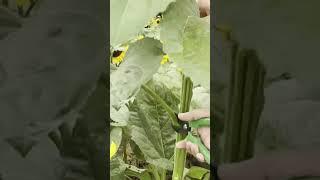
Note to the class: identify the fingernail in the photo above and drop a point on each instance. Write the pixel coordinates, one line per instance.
(200, 157)
(181, 116)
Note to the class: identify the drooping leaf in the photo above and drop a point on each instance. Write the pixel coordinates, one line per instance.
(151, 127)
(119, 117)
(83, 144)
(172, 25)
(128, 17)
(142, 174)
(141, 62)
(200, 98)
(36, 60)
(194, 60)
(284, 39)
(42, 162)
(198, 173)
(169, 76)
(117, 168)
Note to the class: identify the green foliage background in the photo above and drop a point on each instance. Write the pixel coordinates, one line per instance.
(51, 100)
(147, 136)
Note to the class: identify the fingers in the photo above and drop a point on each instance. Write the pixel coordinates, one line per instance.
(200, 157)
(204, 6)
(205, 136)
(194, 115)
(191, 149)
(181, 144)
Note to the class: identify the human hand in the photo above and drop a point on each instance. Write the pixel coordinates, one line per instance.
(204, 6)
(204, 133)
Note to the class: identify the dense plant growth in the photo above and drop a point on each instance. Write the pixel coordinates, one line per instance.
(52, 55)
(155, 45)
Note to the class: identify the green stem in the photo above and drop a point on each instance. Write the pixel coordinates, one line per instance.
(259, 102)
(227, 131)
(180, 154)
(249, 95)
(237, 107)
(179, 159)
(154, 172)
(244, 106)
(164, 175)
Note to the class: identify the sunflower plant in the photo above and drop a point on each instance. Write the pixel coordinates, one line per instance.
(154, 45)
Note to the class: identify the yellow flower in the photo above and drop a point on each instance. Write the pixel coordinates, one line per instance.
(139, 37)
(119, 55)
(155, 21)
(113, 149)
(165, 59)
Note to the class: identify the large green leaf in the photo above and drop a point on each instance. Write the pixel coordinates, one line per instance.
(172, 25)
(117, 168)
(43, 162)
(119, 117)
(284, 39)
(195, 57)
(151, 127)
(51, 51)
(128, 17)
(198, 173)
(200, 98)
(169, 75)
(141, 62)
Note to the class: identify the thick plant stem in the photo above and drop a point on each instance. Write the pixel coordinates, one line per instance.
(244, 107)
(164, 175)
(180, 154)
(185, 99)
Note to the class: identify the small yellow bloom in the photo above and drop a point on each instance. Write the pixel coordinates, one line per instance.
(113, 149)
(154, 21)
(139, 37)
(119, 55)
(165, 59)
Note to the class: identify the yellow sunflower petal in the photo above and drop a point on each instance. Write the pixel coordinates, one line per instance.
(139, 37)
(165, 59)
(113, 149)
(126, 48)
(117, 60)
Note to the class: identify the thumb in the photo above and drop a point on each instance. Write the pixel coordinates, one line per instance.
(194, 115)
